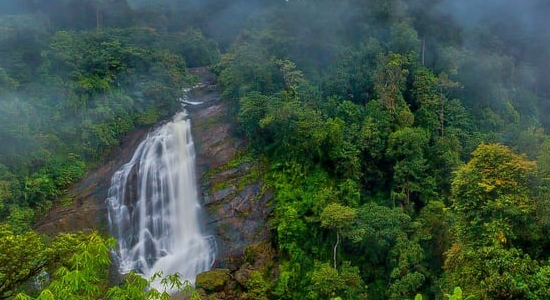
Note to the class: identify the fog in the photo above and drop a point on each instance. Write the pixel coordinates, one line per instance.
(528, 16)
(500, 48)
(517, 29)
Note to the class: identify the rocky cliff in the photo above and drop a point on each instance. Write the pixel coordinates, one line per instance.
(233, 195)
(236, 202)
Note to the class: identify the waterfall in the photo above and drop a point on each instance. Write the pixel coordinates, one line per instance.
(153, 207)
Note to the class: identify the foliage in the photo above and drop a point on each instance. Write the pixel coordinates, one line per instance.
(494, 207)
(21, 258)
(197, 50)
(365, 112)
(340, 218)
(78, 268)
(405, 148)
(90, 88)
(456, 295)
(492, 196)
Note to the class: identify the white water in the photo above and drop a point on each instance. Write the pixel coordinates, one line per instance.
(154, 209)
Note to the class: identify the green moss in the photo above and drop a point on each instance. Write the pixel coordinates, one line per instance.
(213, 280)
(257, 288)
(258, 251)
(207, 123)
(249, 178)
(66, 201)
(237, 160)
(220, 186)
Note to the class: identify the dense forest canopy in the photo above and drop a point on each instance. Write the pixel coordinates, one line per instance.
(405, 141)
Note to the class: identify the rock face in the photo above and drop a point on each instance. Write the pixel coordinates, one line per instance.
(236, 203)
(237, 207)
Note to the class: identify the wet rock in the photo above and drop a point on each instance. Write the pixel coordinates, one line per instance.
(213, 280)
(243, 274)
(221, 194)
(237, 207)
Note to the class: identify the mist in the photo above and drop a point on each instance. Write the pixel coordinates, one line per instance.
(506, 55)
(526, 17)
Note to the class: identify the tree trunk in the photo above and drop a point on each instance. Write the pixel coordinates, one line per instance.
(408, 190)
(423, 49)
(442, 112)
(336, 247)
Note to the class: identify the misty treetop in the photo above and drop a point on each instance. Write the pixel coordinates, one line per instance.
(404, 141)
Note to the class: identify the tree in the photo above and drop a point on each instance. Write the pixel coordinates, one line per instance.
(352, 76)
(330, 283)
(430, 92)
(325, 281)
(253, 108)
(99, 6)
(373, 141)
(197, 50)
(393, 260)
(494, 273)
(456, 295)
(494, 206)
(389, 82)
(406, 149)
(339, 218)
(10, 190)
(492, 196)
(248, 68)
(22, 256)
(403, 38)
(543, 164)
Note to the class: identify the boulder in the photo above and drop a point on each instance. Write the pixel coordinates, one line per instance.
(213, 280)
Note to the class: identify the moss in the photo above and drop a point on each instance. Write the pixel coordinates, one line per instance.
(220, 186)
(67, 201)
(260, 255)
(207, 123)
(213, 280)
(257, 288)
(237, 160)
(249, 178)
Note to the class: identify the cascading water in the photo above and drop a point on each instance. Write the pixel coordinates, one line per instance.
(154, 209)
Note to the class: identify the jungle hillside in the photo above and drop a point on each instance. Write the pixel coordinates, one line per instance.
(404, 142)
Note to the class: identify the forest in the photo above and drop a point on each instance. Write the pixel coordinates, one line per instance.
(405, 141)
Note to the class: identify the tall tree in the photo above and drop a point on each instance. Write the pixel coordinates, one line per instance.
(389, 83)
(492, 196)
(339, 218)
(406, 149)
(494, 205)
